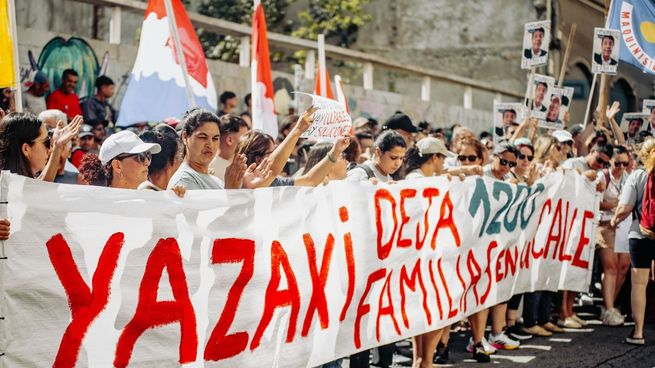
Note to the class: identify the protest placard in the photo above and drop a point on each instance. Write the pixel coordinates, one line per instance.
(536, 39)
(634, 123)
(275, 277)
(606, 51)
(542, 88)
(558, 104)
(331, 120)
(507, 117)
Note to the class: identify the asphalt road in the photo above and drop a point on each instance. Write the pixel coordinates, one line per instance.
(594, 346)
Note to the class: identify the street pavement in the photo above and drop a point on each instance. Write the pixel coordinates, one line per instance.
(593, 346)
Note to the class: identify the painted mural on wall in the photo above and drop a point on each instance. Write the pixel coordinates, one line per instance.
(75, 53)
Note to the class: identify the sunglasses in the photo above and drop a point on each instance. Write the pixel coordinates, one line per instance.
(602, 162)
(469, 158)
(569, 143)
(504, 162)
(46, 142)
(524, 157)
(139, 157)
(621, 163)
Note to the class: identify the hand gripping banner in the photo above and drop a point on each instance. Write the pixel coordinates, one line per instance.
(284, 277)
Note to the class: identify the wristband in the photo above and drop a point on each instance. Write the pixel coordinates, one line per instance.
(331, 158)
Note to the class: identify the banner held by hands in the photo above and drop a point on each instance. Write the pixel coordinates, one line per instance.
(331, 120)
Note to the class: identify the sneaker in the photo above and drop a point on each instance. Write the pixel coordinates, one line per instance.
(581, 321)
(613, 318)
(603, 312)
(551, 327)
(503, 342)
(442, 355)
(586, 299)
(634, 341)
(517, 333)
(488, 348)
(537, 330)
(568, 322)
(479, 354)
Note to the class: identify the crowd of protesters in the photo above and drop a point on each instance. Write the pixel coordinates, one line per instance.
(65, 140)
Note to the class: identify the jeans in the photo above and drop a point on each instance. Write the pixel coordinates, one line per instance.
(536, 308)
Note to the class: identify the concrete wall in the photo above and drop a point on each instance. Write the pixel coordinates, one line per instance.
(227, 76)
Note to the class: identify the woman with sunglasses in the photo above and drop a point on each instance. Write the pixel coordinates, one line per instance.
(26, 149)
(525, 171)
(615, 265)
(470, 155)
(122, 162)
(504, 159)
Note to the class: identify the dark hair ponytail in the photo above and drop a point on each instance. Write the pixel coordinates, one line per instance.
(414, 160)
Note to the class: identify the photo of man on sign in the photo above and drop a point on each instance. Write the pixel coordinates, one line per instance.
(535, 44)
(606, 53)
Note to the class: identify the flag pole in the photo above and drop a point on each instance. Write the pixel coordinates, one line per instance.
(172, 24)
(322, 66)
(18, 97)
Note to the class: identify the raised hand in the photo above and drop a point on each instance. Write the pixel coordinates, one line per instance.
(179, 190)
(259, 176)
(64, 133)
(305, 120)
(613, 110)
(235, 171)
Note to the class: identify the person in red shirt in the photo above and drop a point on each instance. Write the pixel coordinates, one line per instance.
(64, 98)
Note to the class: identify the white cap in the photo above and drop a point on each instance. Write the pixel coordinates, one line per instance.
(125, 142)
(562, 136)
(431, 145)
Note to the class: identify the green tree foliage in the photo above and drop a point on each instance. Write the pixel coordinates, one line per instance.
(239, 11)
(339, 20)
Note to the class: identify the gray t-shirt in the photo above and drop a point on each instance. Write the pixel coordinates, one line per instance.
(632, 194)
(577, 163)
(193, 180)
(359, 174)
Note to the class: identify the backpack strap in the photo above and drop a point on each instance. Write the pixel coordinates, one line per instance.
(369, 172)
(606, 172)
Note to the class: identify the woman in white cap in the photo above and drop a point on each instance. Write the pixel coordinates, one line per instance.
(122, 163)
(426, 159)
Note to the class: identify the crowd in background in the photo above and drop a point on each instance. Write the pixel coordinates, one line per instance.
(65, 140)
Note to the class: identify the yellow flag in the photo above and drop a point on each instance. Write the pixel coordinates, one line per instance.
(7, 77)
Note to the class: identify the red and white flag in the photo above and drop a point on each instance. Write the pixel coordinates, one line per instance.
(328, 86)
(263, 109)
(341, 96)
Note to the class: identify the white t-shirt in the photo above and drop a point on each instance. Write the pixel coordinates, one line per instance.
(612, 192)
(414, 174)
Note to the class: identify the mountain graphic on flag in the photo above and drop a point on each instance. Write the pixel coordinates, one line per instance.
(156, 88)
(635, 19)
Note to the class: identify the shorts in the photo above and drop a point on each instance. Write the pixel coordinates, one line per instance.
(642, 252)
(605, 236)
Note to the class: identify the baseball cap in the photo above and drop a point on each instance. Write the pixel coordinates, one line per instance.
(125, 142)
(85, 131)
(360, 122)
(400, 121)
(562, 135)
(431, 145)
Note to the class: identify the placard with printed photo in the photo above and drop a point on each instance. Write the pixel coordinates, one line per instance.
(507, 117)
(632, 125)
(536, 39)
(558, 104)
(606, 51)
(542, 87)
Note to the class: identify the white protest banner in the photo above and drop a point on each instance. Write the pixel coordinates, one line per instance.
(536, 39)
(606, 55)
(507, 116)
(275, 277)
(331, 120)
